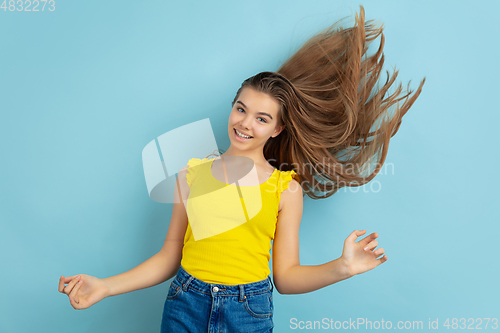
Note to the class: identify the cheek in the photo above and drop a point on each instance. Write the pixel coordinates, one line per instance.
(262, 132)
(233, 117)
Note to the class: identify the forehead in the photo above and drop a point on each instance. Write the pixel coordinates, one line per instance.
(257, 101)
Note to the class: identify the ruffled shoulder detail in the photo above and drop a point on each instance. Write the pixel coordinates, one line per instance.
(284, 181)
(193, 168)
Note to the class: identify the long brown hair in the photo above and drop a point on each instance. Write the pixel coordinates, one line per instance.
(337, 126)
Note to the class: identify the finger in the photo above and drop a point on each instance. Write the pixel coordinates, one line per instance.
(355, 234)
(61, 284)
(370, 246)
(381, 260)
(368, 239)
(70, 285)
(75, 305)
(63, 280)
(73, 292)
(379, 252)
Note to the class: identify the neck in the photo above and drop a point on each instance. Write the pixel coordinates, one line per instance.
(256, 155)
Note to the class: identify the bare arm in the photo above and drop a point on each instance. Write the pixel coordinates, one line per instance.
(85, 290)
(304, 279)
(164, 264)
(290, 277)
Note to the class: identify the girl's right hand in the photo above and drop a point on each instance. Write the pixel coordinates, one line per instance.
(83, 290)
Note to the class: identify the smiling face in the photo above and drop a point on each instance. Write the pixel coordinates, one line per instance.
(253, 114)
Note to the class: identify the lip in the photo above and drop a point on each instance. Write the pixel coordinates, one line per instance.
(238, 138)
(244, 133)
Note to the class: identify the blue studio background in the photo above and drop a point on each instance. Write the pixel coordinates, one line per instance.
(85, 87)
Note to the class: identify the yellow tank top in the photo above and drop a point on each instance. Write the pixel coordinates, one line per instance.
(228, 238)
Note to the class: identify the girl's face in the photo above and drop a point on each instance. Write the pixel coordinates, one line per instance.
(253, 114)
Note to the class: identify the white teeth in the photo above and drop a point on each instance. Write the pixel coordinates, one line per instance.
(241, 135)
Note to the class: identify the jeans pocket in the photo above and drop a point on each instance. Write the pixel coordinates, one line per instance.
(259, 305)
(175, 289)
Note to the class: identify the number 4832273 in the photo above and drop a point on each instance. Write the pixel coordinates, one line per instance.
(28, 6)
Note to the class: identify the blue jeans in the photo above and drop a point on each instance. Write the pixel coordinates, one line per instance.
(193, 305)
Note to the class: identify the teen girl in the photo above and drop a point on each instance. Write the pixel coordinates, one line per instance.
(313, 127)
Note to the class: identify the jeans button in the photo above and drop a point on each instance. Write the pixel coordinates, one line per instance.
(215, 289)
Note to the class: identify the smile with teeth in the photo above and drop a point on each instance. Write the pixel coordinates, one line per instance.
(241, 135)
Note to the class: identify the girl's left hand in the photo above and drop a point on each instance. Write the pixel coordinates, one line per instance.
(357, 259)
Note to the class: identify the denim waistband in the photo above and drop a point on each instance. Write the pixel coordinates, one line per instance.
(217, 289)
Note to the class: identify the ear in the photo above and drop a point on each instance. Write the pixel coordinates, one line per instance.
(278, 131)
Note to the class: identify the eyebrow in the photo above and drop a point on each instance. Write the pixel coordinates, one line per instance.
(263, 113)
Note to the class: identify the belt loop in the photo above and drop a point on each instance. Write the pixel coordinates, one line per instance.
(242, 293)
(185, 285)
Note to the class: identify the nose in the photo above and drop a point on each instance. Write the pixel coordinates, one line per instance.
(245, 122)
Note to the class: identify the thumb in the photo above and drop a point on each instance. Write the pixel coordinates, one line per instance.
(355, 234)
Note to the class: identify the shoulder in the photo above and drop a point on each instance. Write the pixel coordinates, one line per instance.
(196, 161)
(189, 171)
(294, 187)
(289, 179)
(294, 190)
(292, 194)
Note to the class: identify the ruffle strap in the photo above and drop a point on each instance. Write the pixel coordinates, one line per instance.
(284, 181)
(192, 169)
